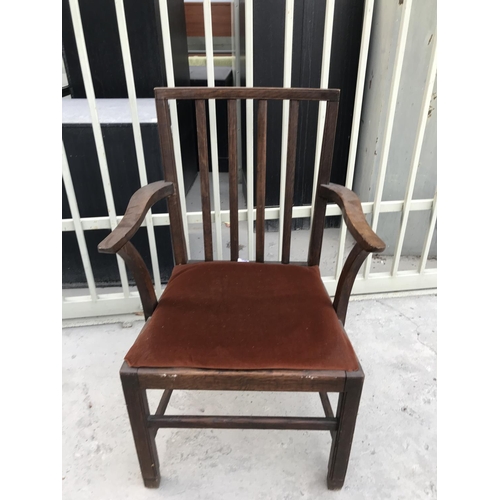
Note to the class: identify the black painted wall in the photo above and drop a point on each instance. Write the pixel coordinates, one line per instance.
(308, 29)
(120, 152)
(101, 33)
(106, 63)
(104, 52)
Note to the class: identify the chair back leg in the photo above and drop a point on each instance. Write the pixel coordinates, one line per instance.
(144, 436)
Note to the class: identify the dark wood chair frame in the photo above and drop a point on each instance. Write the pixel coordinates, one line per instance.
(136, 381)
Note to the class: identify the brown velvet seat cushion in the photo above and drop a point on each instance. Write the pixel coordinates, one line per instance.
(237, 315)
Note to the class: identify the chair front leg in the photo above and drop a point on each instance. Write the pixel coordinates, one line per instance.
(144, 436)
(347, 411)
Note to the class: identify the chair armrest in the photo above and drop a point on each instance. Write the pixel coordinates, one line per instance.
(353, 215)
(142, 200)
(118, 241)
(366, 240)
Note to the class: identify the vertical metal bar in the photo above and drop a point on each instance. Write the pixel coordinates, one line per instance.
(393, 96)
(325, 73)
(96, 128)
(169, 68)
(428, 238)
(209, 49)
(136, 128)
(431, 77)
(236, 65)
(356, 120)
(235, 41)
(75, 214)
(249, 123)
(287, 82)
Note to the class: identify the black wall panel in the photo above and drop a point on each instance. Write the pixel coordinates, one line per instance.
(308, 29)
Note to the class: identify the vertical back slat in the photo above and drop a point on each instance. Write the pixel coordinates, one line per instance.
(201, 130)
(170, 175)
(326, 159)
(325, 169)
(291, 154)
(233, 177)
(261, 178)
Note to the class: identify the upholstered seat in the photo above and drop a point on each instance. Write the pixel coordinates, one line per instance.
(233, 315)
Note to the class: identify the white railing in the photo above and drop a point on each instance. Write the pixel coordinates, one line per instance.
(93, 303)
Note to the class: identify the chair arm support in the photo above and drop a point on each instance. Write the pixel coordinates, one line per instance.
(118, 241)
(349, 272)
(353, 215)
(142, 200)
(142, 279)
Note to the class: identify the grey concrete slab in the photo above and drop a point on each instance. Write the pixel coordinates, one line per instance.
(394, 450)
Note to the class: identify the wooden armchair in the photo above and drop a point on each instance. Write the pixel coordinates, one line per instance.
(243, 326)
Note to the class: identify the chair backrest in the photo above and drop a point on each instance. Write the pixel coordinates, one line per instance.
(232, 94)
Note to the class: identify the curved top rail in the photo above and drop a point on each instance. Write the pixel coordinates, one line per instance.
(270, 93)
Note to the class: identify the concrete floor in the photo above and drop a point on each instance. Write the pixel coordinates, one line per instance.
(394, 450)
